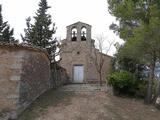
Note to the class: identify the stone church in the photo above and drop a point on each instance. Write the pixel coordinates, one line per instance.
(76, 55)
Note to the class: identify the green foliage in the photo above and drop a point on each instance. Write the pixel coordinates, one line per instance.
(125, 59)
(141, 88)
(123, 82)
(155, 84)
(139, 26)
(41, 32)
(6, 35)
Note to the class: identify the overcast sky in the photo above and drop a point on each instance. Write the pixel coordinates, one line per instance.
(64, 13)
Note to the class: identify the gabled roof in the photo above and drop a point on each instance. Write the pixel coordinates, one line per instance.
(79, 23)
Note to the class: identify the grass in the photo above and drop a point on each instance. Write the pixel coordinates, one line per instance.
(49, 98)
(110, 109)
(158, 106)
(103, 117)
(115, 108)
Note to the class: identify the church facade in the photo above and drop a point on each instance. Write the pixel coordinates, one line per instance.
(77, 55)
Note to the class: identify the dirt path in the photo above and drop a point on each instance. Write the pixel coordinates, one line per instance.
(88, 105)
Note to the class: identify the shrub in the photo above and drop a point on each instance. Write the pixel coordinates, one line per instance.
(141, 90)
(123, 82)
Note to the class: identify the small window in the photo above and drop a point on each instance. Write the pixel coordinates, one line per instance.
(74, 34)
(83, 34)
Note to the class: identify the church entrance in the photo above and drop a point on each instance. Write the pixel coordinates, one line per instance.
(78, 74)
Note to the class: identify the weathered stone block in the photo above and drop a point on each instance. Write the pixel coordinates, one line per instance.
(14, 96)
(85, 50)
(16, 66)
(15, 78)
(24, 75)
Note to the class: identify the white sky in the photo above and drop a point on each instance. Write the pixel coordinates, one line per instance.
(64, 13)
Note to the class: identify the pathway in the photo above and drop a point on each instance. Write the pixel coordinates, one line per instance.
(87, 102)
(84, 87)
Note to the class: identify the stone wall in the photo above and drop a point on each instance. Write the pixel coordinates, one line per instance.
(35, 77)
(10, 75)
(79, 53)
(70, 58)
(59, 77)
(24, 75)
(93, 75)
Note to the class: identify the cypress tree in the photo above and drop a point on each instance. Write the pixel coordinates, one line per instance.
(6, 35)
(41, 32)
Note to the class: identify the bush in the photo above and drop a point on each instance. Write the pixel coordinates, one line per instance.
(141, 90)
(123, 82)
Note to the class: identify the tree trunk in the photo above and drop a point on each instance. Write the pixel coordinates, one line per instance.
(157, 92)
(148, 97)
(100, 78)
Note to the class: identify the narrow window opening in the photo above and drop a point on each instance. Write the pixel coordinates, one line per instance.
(78, 53)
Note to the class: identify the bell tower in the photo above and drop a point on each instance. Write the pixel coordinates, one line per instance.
(79, 32)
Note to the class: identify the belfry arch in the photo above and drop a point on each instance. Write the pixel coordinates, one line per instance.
(76, 54)
(79, 32)
(74, 34)
(83, 33)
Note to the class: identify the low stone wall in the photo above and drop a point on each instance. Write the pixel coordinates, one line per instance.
(24, 75)
(35, 78)
(59, 77)
(10, 74)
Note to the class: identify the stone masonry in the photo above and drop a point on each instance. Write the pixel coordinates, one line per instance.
(77, 50)
(24, 75)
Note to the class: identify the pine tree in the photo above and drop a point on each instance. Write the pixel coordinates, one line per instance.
(6, 35)
(40, 33)
(139, 26)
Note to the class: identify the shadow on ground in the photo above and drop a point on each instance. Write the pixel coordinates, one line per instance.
(51, 98)
(83, 102)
